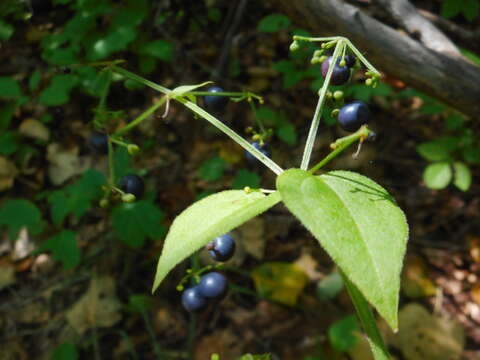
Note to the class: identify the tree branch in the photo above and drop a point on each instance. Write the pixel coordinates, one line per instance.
(450, 78)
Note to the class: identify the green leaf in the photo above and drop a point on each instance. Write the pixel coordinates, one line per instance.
(139, 303)
(64, 248)
(76, 199)
(159, 49)
(212, 169)
(6, 115)
(342, 333)
(206, 219)
(9, 143)
(471, 154)
(462, 176)
(6, 30)
(256, 357)
(65, 351)
(439, 149)
(18, 213)
(287, 133)
(437, 175)
(123, 163)
(472, 56)
(58, 91)
(471, 9)
(244, 178)
(134, 223)
(450, 8)
(116, 40)
(34, 80)
(359, 225)
(273, 23)
(9, 88)
(183, 89)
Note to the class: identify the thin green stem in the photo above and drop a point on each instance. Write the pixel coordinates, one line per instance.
(316, 39)
(307, 153)
(340, 145)
(367, 319)
(156, 346)
(361, 57)
(141, 117)
(111, 164)
(257, 120)
(205, 115)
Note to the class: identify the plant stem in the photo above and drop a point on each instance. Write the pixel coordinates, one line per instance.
(307, 153)
(367, 320)
(205, 115)
(111, 165)
(141, 117)
(340, 145)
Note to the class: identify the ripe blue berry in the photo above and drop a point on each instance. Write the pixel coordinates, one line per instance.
(264, 149)
(215, 103)
(340, 74)
(222, 247)
(354, 115)
(350, 60)
(212, 285)
(192, 300)
(132, 184)
(98, 142)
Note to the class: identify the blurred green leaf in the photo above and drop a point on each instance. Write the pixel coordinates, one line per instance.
(18, 213)
(159, 49)
(273, 23)
(116, 40)
(9, 142)
(437, 175)
(342, 333)
(474, 57)
(139, 303)
(134, 223)
(212, 169)
(34, 80)
(65, 351)
(450, 8)
(64, 248)
(471, 9)
(244, 178)
(76, 199)
(58, 91)
(9, 88)
(462, 176)
(438, 149)
(6, 114)
(6, 30)
(287, 133)
(471, 154)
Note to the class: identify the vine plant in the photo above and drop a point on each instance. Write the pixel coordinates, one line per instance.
(354, 219)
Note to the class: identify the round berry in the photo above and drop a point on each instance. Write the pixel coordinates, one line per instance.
(98, 142)
(212, 285)
(213, 102)
(192, 300)
(132, 184)
(264, 149)
(350, 60)
(354, 115)
(340, 74)
(222, 248)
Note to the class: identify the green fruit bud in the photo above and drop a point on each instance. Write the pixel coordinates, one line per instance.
(322, 58)
(104, 203)
(317, 53)
(128, 198)
(342, 63)
(315, 60)
(294, 46)
(337, 95)
(133, 149)
(368, 82)
(335, 112)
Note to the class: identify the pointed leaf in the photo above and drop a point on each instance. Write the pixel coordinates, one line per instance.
(206, 219)
(358, 223)
(183, 89)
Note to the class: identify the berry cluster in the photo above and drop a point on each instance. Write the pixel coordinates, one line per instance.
(213, 285)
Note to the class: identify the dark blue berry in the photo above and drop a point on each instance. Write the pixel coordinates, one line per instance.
(349, 60)
(354, 115)
(192, 300)
(213, 102)
(222, 247)
(264, 149)
(340, 74)
(98, 142)
(132, 184)
(212, 285)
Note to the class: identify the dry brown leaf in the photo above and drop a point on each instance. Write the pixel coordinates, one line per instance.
(98, 307)
(224, 342)
(8, 171)
(34, 129)
(65, 163)
(425, 337)
(309, 265)
(415, 281)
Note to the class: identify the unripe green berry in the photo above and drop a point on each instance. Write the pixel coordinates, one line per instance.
(337, 95)
(368, 82)
(104, 203)
(128, 198)
(294, 46)
(133, 149)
